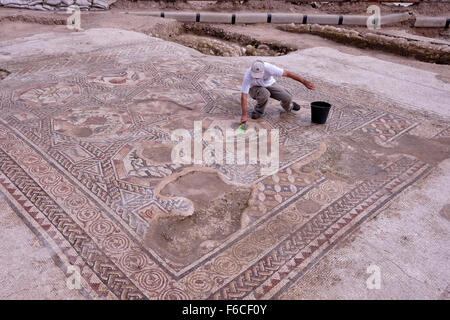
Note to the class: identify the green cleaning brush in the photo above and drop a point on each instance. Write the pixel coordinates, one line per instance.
(242, 127)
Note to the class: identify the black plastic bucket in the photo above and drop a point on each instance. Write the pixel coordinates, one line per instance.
(319, 111)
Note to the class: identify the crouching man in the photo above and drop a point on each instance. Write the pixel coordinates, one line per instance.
(259, 82)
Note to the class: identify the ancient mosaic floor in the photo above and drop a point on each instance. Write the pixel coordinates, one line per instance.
(84, 149)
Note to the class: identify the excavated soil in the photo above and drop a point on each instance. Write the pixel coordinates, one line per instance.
(218, 208)
(3, 74)
(156, 153)
(229, 43)
(210, 39)
(355, 7)
(199, 187)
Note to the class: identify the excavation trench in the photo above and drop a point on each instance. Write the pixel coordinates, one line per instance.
(215, 41)
(428, 51)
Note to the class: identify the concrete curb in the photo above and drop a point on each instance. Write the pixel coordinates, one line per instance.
(276, 18)
(432, 22)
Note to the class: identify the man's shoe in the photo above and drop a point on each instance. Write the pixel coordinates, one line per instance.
(295, 106)
(256, 115)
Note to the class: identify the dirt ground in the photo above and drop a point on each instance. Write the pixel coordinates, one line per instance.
(23, 23)
(434, 9)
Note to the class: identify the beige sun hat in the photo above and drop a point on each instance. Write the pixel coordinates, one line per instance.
(257, 69)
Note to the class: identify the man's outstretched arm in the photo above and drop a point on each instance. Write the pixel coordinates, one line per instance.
(296, 77)
(244, 116)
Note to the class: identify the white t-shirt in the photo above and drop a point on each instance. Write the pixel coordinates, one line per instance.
(266, 81)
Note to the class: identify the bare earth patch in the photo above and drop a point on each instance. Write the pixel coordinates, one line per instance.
(218, 207)
(3, 74)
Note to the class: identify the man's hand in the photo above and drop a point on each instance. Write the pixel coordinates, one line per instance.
(309, 85)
